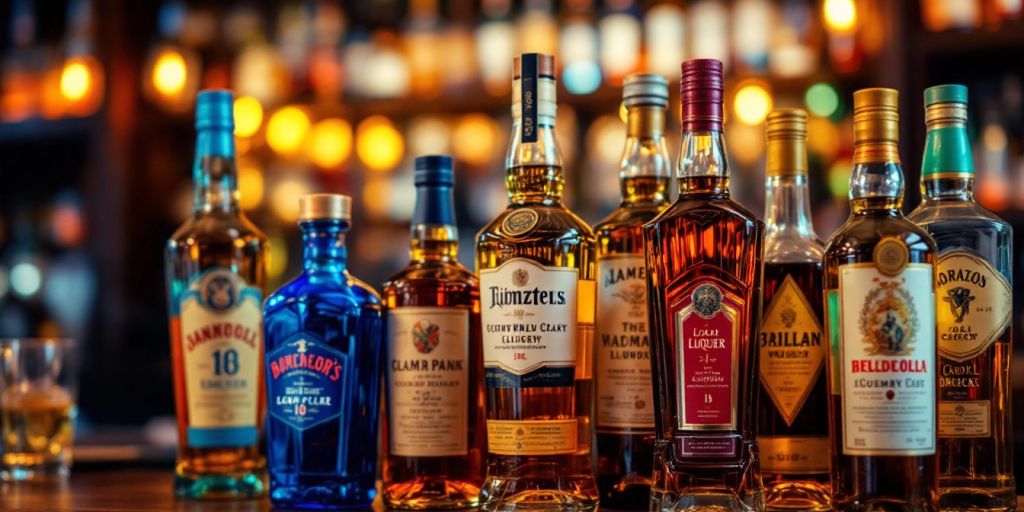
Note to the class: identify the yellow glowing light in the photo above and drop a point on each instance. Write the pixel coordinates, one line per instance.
(170, 73)
(250, 186)
(374, 189)
(840, 15)
(287, 129)
(277, 263)
(378, 143)
(475, 138)
(752, 104)
(284, 200)
(823, 138)
(248, 116)
(330, 143)
(747, 142)
(75, 80)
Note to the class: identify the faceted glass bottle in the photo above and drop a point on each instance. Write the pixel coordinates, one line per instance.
(536, 267)
(881, 325)
(792, 433)
(216, 272)
(323, 334)
(704, 272)
(434, 435)
(624, 401)
(974, 287)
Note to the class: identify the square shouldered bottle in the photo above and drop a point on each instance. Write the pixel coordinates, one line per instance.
(880, 296)
(434, 434)
(536, 266)
(623, 396)
(974, 309)
(704, 274)
(323, 360)
(216, 271)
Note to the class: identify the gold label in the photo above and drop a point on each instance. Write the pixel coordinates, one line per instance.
(965, 418)
(891, 256)
(520, 222)
(796, 455)
(531, 437)
(974, 307)
(792, 354)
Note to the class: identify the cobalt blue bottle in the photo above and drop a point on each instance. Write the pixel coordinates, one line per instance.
(323, 342)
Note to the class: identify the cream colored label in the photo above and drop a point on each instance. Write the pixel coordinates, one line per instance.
(888, 349)
(791, 350)
(529, 316)
(974, 307)
(531, 437)
(623, 361)
(222, 346)
(965, 418)
(796, 455)
(428, 375)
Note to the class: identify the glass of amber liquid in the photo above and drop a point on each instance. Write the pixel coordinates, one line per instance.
(38, 390)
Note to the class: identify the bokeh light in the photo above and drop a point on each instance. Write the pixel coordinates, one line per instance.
(278, 261)
(170, 73)
(821, 99)
(752, 103)
(379, 145)
(839, 178)
(75, 80)
(823, 137)
(746, 142)
(429, 135)
(284, 200)
(840, 15)
(582, 77)
(475, 139)
(330, 143)
(374, 189)
(287, 129)
(248, 116)
(26, 279)
(250, 186)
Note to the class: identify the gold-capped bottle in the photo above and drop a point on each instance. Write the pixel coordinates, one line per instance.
(536, 267)
(880, 295)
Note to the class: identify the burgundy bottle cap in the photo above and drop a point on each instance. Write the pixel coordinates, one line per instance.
(701, 92)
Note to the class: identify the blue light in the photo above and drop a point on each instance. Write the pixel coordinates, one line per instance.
(25, 279)
(582, 77)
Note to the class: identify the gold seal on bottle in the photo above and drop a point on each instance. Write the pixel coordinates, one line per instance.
(876, 125)
(786, 132)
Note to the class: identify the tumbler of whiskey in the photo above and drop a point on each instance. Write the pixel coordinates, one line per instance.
(38, 390)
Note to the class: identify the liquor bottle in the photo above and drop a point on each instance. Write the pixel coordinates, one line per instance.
(536, 267)
(624, 401)
(434, 420)
(881, 324)
(216, 270)
(323, 335)
(704, 274)
(792, 434)
(974, 310)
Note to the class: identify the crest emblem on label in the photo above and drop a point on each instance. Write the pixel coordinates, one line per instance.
(891, 256)
(520, 222)
(975, 306)
(888, 321)
(707, 300)
(425, 336)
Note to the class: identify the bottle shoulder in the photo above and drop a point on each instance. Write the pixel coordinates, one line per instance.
(791, 248)
(628, 217)
(861, 233)
(553, 223)
(451, 273)
(344, 291)
(704, 211)
(968, 214)
(216, 228)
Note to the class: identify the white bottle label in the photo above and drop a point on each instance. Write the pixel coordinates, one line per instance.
(622, 355)
(428, 375)
(529, 316)
(887, 331)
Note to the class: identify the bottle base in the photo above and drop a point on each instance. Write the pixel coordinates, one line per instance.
(228, 486)
(791, 496)
(430, 494)
(562, 493)
(318, 493)
(697, 500)
(977, 498)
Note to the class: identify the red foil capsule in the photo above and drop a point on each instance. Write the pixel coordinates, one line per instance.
(701, 92)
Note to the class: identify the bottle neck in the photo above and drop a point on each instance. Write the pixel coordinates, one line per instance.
(324, 246)
(534, 172)
(876, 188)
(214, 175)
(703, 167)
(644, 171)
(788, 207)
(947, 168)
(434, 235)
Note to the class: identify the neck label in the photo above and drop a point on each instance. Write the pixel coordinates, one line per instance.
(528, 89)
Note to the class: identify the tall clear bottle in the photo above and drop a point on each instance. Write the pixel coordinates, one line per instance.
(704, 274)
(434, 434)
(536, 267)
(792, 433)
(974, 287)
(216, 272)
(879, 289)
(624, 401)
(323, 333)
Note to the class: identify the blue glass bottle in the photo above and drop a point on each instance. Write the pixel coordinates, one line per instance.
(323, 342)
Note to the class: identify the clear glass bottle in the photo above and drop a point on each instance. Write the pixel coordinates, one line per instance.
(323, 336)
(704, 274)
(974, 284)
(624, 401)
(879, 273)
(216, 271)
(434, 434)
(792, 434)
(536, 267)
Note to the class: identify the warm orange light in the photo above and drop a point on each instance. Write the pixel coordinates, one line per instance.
(248, 116)
(250, 186)
(75, 80)
(330, 143)
(284, 200)
(287, 129)
(752, 103)
(170, 73)
(475, 138)
(378, 143)
(840, 15)
(278, 261)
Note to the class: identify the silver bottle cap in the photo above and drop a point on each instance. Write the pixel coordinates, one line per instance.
(645, 89)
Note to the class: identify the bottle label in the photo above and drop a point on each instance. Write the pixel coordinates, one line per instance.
(887, 342)
(221, 345)
(625, 399)
(529, 316)
(792, 355)
(428, 376)
(531, 437)
(707, 334)
(308, 382)
(795, 455)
